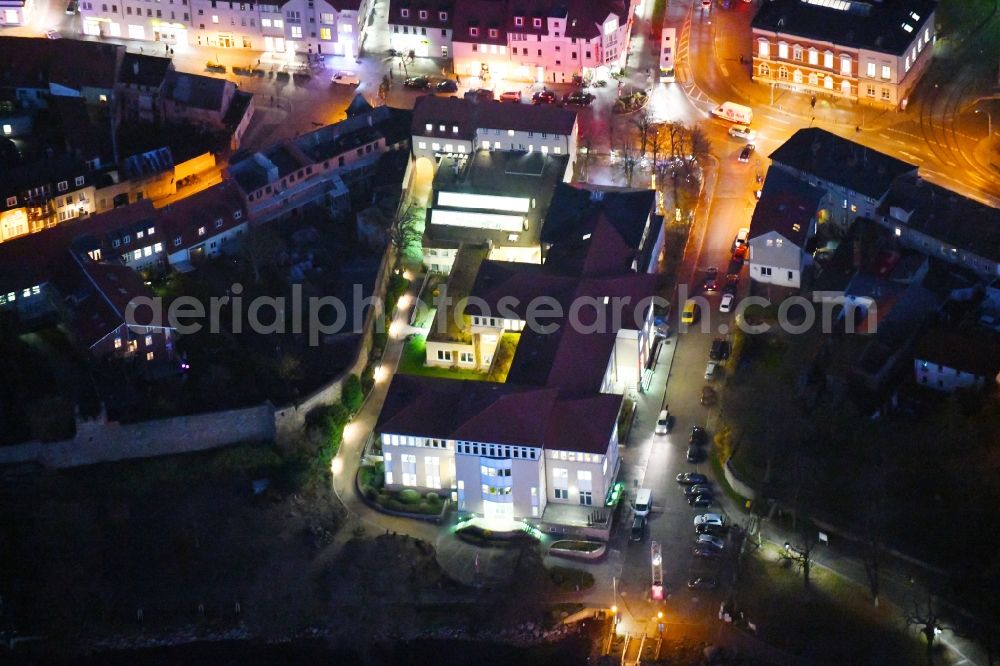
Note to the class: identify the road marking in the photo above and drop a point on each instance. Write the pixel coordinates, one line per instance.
(885, 136)
(909, 156)
(725, 72)
(781, 120)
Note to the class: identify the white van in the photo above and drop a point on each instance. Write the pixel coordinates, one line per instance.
(643, 501)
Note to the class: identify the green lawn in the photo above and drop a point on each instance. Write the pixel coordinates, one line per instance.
(412, 363)
(960, 15)
(834, 622)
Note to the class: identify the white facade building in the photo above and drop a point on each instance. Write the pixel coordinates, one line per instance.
(14, 12)
(421, 27)
(328, 27)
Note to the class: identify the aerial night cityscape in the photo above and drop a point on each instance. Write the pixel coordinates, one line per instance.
(489, 332)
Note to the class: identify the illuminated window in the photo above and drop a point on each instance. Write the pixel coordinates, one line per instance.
(828, 60)
(325, 34)
(870, 71)
(886, 72)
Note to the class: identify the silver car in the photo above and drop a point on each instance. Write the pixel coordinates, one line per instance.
(709, 540)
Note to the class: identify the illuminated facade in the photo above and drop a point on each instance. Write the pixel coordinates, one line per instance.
(328, 27)
(872, 52)
(14, 12)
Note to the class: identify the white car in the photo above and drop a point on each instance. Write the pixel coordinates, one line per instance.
(742, 132)
(53, 34)
(346, 79)
(709, 519)
(726, 305)
(663, 422)
(710, 370)
(709, 540)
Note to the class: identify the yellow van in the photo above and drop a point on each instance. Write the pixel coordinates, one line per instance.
(689, 314)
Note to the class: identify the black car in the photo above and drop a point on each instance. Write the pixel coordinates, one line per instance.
(701, 501)
(543, 97)
(703, 583)
(579, 98)
(447, 86)
(694, 454)
(720, 349)
(732, 283)
(700, 489)
(479, 95)
(698, 436)
(417, 82)
(691, 478)
(706, 552)
(708, 528)
(746, 153)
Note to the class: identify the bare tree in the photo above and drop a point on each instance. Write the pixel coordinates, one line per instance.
(627, 164)
(642, 122)
(657, 144)
(700, 146)
(874, 518)
(261, 248)
(801, 551)
(926, 618)
(404, 229)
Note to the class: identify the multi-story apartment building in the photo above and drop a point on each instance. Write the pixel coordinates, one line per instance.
(855, 177)
(451, 126)
(14, 12)
(421, 27)
(540, 40)
(333, 27)
(314, 167)
(547, 436)
(872, 51)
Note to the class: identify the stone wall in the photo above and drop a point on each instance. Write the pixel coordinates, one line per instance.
(103, 441)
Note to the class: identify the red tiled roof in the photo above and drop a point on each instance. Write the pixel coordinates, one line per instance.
(184, 218)
(468, 116)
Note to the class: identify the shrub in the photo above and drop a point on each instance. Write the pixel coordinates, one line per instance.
(352, 395)
(433, 497)
(409, 496)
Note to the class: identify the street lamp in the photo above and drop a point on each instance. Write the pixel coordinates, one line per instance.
(989, 122)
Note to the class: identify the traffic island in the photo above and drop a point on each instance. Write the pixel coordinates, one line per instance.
(580, 550)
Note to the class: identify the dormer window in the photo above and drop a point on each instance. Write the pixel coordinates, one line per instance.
(237, 214)
(537, 22)
(518, 20)
(423, 14)
(429, 127)
(405, 13)
(473, 32)
(443, 16)
(493, 33)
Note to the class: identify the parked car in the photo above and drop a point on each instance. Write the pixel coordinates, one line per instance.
(694, 454)
(689, 478)
(756, 193)
(479, 95)
(543, 96)
(638, 529)
(447, 86)
(710, 369)
(346, 79)
(726, 304)
(746, 152)
(703, 583)
(719, 350)
(579, 98)
(698, 436)
(709, 540)
(742, 132)
(701, 501)
(698, 489)
(705, 552)
(709, 519)
(417, 83)
(714, 530)
(732, 282)
(664, 422)
(53, 34)
(741, 236)
(708, 396)
(510, 96)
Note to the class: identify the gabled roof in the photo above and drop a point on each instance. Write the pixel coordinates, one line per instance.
(432, 7)
(575, 206)
(841, 162)
(976, 351)
(200, 92)
(468, 116)
(876, 25)
(498, 414)
(787, 206)
(484, 15)
(945, 215)
(216, 209)
(144, 70)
